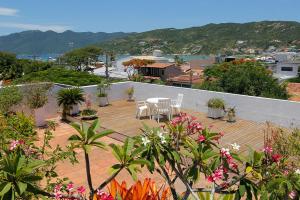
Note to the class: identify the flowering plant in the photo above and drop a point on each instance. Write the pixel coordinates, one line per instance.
(186, 150)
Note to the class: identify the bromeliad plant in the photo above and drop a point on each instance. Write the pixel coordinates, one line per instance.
(186, 150)
(146, 190)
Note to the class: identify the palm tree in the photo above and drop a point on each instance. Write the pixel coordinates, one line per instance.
(69, 97)
(86, 138)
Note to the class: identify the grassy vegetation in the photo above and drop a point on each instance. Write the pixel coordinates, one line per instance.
(294, 80)
(62, 75)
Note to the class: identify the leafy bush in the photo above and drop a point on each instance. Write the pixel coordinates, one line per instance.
(36, 94)
(216, 103)
(9, 96)
(63, 76)
(88, 112)
(243, 77)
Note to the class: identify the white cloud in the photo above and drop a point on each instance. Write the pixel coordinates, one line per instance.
(56, 28)
(8, 11)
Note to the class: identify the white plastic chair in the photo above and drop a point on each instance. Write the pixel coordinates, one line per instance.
(141, 106)
(176, 104)
(163, 107)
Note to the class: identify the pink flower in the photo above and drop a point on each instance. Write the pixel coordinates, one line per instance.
(268, 149)
(14, 144)
(216, 175)
(233, 165)
(292, 194)
(221, 133)
(57, 191)
(70, 187)
(81, 190)
(276, 157)
(201, 138)
(104, 196)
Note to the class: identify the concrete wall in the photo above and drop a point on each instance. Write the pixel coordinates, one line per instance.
(282, 112)
(117, 91)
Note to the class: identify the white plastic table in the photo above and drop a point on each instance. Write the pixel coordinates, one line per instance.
(152, 102)
(155, 100)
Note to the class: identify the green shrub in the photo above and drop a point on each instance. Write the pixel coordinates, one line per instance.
(9, 96)
(216, 103)
(63, 76)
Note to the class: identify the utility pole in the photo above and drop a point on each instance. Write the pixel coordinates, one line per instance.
(106, 65)
(191, 75)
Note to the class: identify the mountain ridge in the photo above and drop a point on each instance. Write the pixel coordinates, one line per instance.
(207, 39)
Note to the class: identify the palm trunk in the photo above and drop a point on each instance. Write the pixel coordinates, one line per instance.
(88, 173)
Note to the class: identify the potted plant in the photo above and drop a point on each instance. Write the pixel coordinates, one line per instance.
(130, 92)
(37, 97)
(216, 108)
(69, 99)
(103, 86)
(231, 114)
(88, 113)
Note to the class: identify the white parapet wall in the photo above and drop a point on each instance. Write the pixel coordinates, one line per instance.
(259, 109)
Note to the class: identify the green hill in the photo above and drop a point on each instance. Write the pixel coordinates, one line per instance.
(211, 38)
(38, 42)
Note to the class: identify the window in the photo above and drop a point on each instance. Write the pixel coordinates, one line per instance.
(286, 69)
(162, 72)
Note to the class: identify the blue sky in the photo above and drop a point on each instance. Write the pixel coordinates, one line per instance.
(136, 15)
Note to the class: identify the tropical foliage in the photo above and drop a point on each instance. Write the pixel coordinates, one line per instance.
(69, 97)
(243, 77)
(81, 58)
(9, 96)
(146, 190)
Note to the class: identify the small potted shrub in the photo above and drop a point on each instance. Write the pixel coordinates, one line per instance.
(216, 108)
(88, 113)
(69, 99)
(37, 97)
(231, 114)
(130, 92)
(103, 86)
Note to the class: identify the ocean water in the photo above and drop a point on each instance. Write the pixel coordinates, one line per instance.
(47, 57)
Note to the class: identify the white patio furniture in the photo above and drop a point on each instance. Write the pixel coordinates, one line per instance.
(163, 107)
(141, 107)
(176, 104)
(152, 102)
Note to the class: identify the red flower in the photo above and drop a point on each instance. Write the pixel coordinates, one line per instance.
(81, 190)
(201, 138)
(276, 157)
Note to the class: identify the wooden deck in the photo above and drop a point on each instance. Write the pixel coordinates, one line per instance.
(120, 117)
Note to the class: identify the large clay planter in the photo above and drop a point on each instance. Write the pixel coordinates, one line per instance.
(103, 101)
(75, 110)
(40, 116)
(215, 113)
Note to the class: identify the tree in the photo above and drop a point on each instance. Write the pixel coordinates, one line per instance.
(132, 66)
(243, 77)
(9, 69)
(87, 138)
(9, 96)
(81, 58)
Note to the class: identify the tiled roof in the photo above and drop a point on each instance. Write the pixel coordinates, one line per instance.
(160, 65)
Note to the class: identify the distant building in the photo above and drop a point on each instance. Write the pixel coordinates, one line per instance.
(162, 71)
(286, 70)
